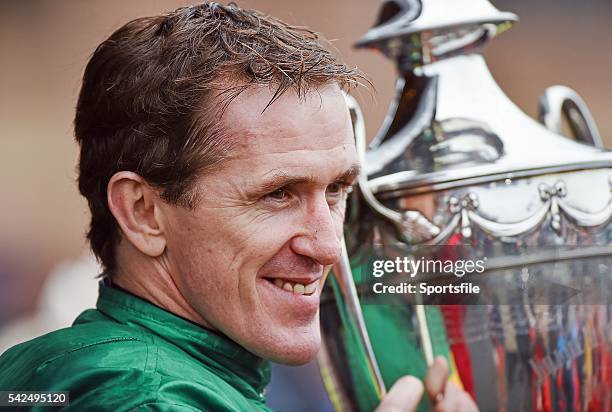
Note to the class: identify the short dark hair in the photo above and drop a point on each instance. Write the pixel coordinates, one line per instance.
(153, 92)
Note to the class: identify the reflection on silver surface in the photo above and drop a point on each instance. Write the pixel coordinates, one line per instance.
(465, 90)
(410, 224)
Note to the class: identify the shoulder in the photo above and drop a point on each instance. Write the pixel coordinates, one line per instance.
(111, 366)
(81, 347)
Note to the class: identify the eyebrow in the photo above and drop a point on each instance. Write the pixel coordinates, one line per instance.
(279, 179)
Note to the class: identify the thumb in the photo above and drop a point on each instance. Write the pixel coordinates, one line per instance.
(437, 376)
(404, 396)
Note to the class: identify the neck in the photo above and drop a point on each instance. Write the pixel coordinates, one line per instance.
(150, 279)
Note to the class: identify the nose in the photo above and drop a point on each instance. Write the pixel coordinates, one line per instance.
(320, 236)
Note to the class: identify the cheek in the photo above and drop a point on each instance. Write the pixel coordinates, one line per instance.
(259, 245)
(234, 248)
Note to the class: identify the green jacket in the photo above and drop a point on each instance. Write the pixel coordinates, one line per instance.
(128, 354)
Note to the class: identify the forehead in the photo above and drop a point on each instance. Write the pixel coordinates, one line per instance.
(312, 131)
(318, 118)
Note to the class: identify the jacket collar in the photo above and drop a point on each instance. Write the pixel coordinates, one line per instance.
(246, 372)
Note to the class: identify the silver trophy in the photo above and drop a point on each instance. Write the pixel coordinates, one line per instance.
(457, 166)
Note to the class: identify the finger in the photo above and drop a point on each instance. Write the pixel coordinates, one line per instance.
(404, 396)
(464, 404)
(455, 400)
(451, 400)
(469, 405)
(435, 381)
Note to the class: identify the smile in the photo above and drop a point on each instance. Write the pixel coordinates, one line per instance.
(295, 287)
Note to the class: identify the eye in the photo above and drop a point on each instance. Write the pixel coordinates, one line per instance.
(339, 188)
(336, 191)
(279, 194)
(335, 188)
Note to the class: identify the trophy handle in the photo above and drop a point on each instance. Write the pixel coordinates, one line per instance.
(559, 101)
(413, 225)
(344, 277)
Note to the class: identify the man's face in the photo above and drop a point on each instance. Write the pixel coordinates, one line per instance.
(252, 257)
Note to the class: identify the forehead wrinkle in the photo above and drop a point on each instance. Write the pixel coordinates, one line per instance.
(280, 151)
(251, 135)
(281, 140)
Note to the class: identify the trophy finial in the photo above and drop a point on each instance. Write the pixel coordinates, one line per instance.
(418, 32)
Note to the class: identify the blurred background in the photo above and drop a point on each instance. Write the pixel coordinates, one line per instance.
(44, 46)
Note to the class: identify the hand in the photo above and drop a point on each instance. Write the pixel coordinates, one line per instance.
(404, 396)
(445, 396)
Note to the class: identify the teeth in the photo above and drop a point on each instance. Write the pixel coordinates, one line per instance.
(296, 288)
(309, 289)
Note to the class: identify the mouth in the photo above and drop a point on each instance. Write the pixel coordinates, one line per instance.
(296, 286)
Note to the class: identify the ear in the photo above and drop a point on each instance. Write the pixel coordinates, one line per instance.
(136, 207)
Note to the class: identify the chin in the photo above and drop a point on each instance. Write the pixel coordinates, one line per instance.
(294, 349)
(298, 357)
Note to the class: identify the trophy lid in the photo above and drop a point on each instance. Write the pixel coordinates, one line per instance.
(450, 124)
